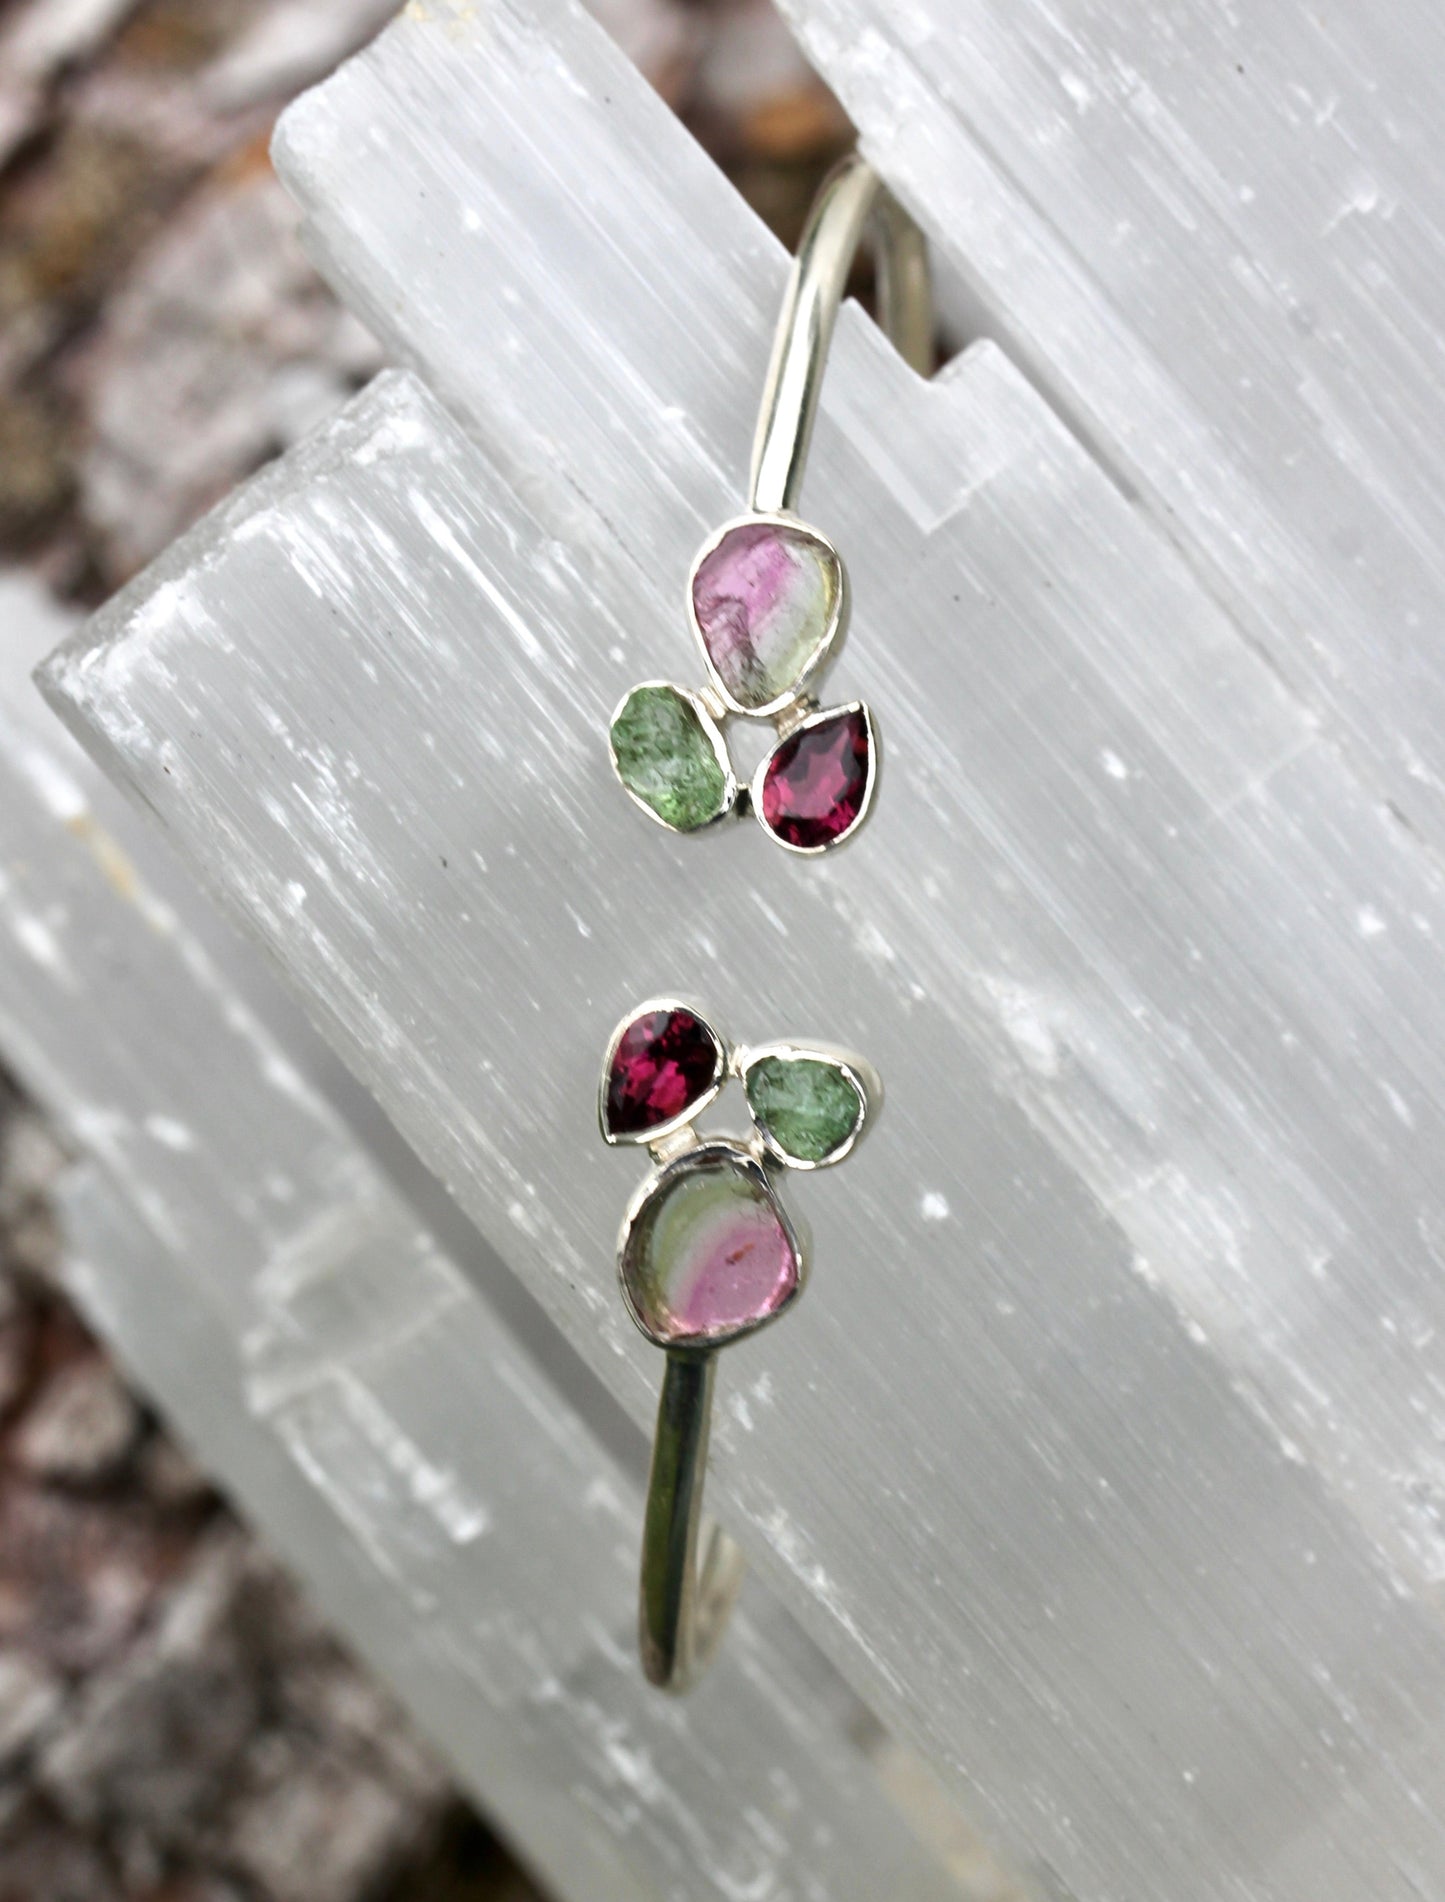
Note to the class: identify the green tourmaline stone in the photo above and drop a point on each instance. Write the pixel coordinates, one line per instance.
(665, 758)
(810, 1108)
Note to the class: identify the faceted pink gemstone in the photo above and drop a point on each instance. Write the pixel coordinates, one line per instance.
(816, 781)
(766, 601)
(665, 1061)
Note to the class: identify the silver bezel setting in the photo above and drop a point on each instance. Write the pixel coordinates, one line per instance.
(829, 642)
(711, 726)
(740, 1154)
(659, 1135)
(859, 1073)
(819, 716)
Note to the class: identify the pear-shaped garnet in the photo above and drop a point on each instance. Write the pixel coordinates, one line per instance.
(665, 1062)
(815, 783)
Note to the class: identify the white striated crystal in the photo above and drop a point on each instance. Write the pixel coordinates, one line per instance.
(1104, 1452)
(1216, 239)
(355, 1390)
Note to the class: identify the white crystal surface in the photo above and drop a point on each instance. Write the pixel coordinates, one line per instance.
(1104, 1454)
(1216, 237)
(1091, 1486)
(355, 1392)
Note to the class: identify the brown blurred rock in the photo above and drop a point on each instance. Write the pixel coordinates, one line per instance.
(30, 1697)
(112, 116)
(465, 1864)
(38, 44)
(221, 350)
(154, 1739)
(170, 1476)
(176, 1723)
(30, 1160)
(78, 1576)
(236, 1736)
(37, 456)
(43, 1861)
(313, 1825)
(80, 1427)
(17, 1347)
(763, 113)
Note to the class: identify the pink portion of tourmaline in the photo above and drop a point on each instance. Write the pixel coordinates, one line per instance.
(816, 781)
(665, 1061)
(746, 1275)
(766, 599)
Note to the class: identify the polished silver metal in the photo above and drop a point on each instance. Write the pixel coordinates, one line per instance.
(852, 208)
(684, 1602)
(691, 1570)
(853, 204)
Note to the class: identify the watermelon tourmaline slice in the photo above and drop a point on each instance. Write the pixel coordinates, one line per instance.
(767, 598)
(709, 1253)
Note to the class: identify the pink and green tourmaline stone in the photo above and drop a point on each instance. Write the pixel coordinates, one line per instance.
(766, 601)
(710, 1254)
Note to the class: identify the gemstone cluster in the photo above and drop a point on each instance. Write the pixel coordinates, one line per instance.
(708, 1253)
(768, 601)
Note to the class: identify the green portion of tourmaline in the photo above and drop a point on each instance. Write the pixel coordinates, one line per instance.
(809, 1107)
(665, 758)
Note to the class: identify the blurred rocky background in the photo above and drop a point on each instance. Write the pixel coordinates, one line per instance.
(175, 1726)
(161, 333)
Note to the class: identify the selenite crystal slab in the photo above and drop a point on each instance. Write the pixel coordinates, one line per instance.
(1033, 1424)
(1104, 1453)
(1215, 236)
(353, 1390)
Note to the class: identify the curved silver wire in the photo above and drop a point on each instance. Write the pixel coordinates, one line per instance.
(684, 1606)
(853, 205)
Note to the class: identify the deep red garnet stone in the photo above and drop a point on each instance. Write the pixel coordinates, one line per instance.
(817, 779)
(665, 1060)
